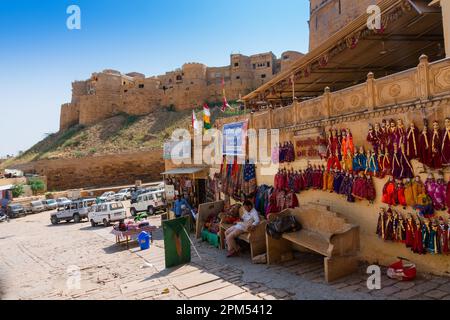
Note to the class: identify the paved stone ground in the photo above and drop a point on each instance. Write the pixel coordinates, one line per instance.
(34, 257)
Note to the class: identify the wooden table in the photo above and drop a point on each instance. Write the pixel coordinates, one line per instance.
(127, 235)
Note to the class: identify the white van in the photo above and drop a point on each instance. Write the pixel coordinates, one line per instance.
(149, 202)
(106, 213)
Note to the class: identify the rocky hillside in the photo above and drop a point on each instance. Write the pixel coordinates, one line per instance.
(120, 134)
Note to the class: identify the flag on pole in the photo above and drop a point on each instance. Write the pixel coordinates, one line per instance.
(194, 121)
(225, 102)
(206, 117)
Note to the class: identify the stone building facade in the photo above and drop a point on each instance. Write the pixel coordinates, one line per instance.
(329, 16)
(110, 92)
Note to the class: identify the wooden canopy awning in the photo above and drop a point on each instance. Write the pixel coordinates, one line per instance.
(410, 28)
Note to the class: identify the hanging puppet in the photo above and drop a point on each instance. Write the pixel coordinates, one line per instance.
(425, 146)
(389, 191)
(436, 146)
(445, 149)
(411, 142)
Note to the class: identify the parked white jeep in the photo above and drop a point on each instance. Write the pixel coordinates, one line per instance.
(76, 211)
(149, 202)
(106, 213)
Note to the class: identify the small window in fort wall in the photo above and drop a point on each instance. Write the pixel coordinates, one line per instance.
(238, 77)
(141, 86)
(236, 64)
(263, 76)
(268, 64)
(179, 78)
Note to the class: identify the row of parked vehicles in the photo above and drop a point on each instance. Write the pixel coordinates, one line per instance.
(105, 209)
(17, 210)
(108, 207)
(88, 209)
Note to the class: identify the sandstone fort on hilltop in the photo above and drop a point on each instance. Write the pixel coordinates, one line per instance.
(110, 92)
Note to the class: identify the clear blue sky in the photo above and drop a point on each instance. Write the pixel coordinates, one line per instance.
(40, 57)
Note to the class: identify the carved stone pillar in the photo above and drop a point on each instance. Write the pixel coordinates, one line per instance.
(423, 78)
(326, 102)
(370, 91)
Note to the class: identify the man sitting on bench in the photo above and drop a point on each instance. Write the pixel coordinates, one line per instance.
(249, 220)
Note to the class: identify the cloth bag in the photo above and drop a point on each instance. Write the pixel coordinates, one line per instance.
(282, 224)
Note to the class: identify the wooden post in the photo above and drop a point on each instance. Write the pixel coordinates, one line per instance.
(423, 77)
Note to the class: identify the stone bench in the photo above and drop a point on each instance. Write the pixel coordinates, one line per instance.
(323, 232)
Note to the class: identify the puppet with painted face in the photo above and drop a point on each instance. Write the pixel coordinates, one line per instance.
(400, 133)
(412, 142)
(391, 136)
(445, 149)
(424, 146)
(407, 169)
(443, 232)
(397, 162)
(436, 145)
(372, 138)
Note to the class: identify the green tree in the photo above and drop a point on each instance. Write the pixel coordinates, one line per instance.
(37, 185)
(17, 190)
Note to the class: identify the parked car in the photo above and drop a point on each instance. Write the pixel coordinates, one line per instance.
(62, 202)
(15, 211)
(77, 211)
(136, 193)
(50, 204)
(106, 213)
(37, 206)
(150, 202)
(107, 196)
(123, 194)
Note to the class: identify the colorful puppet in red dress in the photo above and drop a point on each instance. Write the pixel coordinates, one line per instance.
(372, 138)
(391, 136)
(436, 145)
(412, 139)
(445, 149)
(332, 143)
(371, 192)
(388, 192)
(425, 146)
